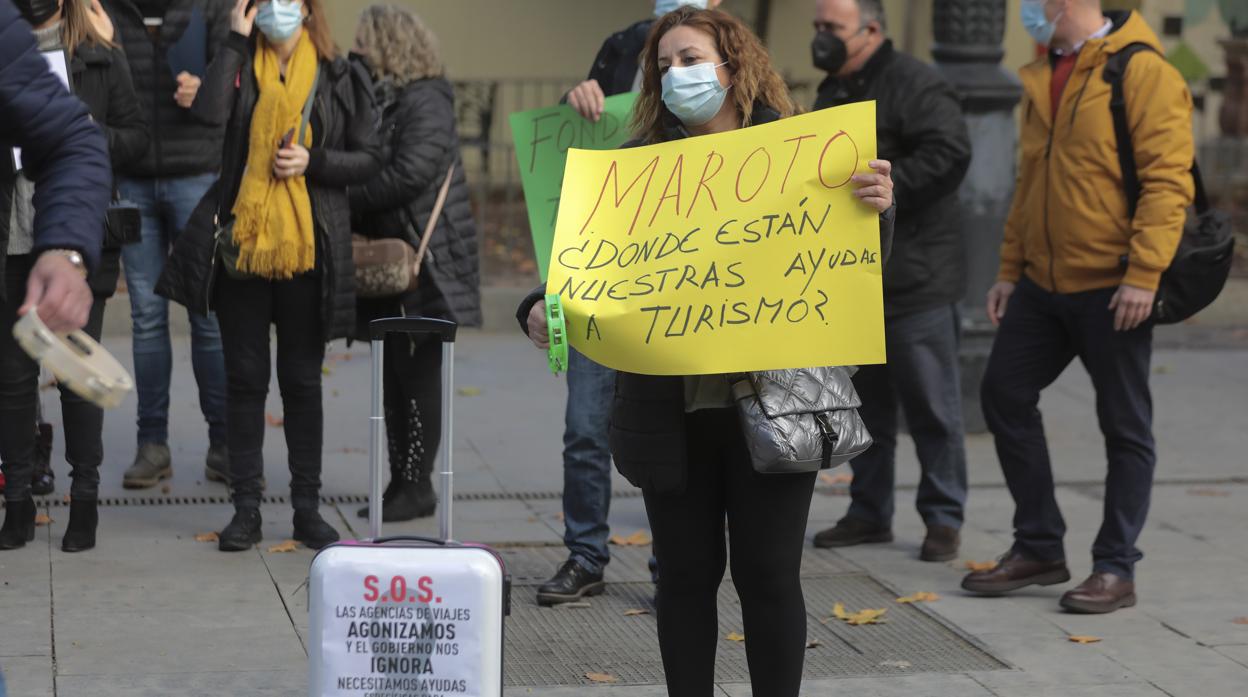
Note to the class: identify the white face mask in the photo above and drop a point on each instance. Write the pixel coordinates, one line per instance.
(662, 7)
(693, 93)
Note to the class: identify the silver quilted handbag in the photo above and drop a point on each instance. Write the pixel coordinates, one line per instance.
(800, 420)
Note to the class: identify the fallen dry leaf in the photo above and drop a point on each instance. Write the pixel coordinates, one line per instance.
(1079, 639)
(287, 546)
(165, 489)
(868, 616)
(635, 612)
(326, 370)
(601, 677)
(274, 421)
(1240, 620)
(469, 392)
(640, 538)
(334, 393)
(920, 597)
(981, 565)
(42, 519)
(834, 479)
(813, 644)
(734, 636)
(207, 537)
(352, 450)
(559, 517)
(1208, 492)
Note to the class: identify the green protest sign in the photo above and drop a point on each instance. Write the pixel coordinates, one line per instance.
(542, 138)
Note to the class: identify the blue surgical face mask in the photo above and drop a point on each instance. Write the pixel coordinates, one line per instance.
(1035, 22)
(280, 19)
(693, 93)
(662, 7)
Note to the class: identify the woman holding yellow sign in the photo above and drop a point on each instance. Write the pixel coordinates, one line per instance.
(679, 438)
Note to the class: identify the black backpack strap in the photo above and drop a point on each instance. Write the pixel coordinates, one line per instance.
(1115, 74)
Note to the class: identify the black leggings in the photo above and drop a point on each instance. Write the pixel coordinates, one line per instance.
(766, 525)
(245, 311)
(413, 402)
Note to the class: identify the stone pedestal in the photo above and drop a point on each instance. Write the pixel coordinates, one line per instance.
(968, 51)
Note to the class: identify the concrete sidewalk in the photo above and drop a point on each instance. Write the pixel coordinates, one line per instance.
(153, 612)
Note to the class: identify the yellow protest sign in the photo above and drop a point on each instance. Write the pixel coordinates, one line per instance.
(739, 251)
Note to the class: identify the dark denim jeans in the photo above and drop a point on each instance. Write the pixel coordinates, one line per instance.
(1041, 334)
(248, 309)
(922, 376)
(587, 461)
(166, 205)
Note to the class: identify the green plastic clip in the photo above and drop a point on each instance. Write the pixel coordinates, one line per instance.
(557, 331)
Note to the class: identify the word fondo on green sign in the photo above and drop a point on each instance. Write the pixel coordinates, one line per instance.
(543, 138)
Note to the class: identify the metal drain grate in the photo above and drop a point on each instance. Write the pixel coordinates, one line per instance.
(57, 501)
(558, 646)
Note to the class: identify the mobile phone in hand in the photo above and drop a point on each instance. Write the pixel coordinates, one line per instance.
(286, 140)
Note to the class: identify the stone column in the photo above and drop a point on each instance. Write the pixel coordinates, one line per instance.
(968, 51)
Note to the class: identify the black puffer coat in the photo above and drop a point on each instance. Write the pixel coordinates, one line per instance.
(182, 143)
(344, 152)
(419, 142)
(921, 131)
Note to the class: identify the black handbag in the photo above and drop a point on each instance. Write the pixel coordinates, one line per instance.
(1202, 263)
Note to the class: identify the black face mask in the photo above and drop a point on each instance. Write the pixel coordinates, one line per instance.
(828, 52)
(37, 11)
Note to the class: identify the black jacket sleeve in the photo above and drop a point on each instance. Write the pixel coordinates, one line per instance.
(127, 127)
(937, 145)
(220, 37)
(63, 151)
(219, 89)
(360, 158)
(425, 132)
(526, 306)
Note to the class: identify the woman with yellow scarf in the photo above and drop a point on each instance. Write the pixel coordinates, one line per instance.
(271, 242)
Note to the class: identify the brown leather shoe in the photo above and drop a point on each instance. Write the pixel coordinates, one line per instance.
(851, 531)
(1016, 571)
(1102, 592)
(941, 544)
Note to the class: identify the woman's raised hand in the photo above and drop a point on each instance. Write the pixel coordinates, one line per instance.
(242, 19)
(876, 189)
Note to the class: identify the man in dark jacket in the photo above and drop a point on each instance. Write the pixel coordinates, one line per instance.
(180, 164)
(65, 154)
(922, 132)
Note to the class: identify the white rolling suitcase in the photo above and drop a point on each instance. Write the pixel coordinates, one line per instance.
(407, 616)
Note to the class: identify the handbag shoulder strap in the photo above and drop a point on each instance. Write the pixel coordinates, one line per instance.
(307, 106)
(433, 217)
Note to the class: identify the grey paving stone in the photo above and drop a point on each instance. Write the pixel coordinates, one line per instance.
(907, 686)
(27, 676)
(25, 630)
(291, 683)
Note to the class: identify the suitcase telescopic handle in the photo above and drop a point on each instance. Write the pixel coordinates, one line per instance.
(443, 329)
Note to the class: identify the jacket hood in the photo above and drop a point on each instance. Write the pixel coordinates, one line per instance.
(1129, 28)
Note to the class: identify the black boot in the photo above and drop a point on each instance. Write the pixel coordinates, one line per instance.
(242, 533)
(83, 519)
(386, 496)
(19, 524)
(312, 530)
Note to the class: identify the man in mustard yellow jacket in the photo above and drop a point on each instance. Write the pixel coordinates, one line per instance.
(1077, 278)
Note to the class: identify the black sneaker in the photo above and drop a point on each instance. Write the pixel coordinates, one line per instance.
(407, 501)
(312, 530)
(852, 531)
(242, 533)
(570, 584)
(217, 464)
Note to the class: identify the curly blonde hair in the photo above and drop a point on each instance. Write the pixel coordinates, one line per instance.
(396, 44)
(753, 77)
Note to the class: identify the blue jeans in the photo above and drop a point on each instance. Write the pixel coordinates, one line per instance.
(167, 205)
(587, 462)
(922, 376)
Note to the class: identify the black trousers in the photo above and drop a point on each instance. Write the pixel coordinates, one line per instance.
(766, 517)
(413, 406)
(245, 310)
(19, 386)
(1040, 335)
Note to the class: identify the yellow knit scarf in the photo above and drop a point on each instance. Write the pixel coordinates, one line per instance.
(273, 225)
